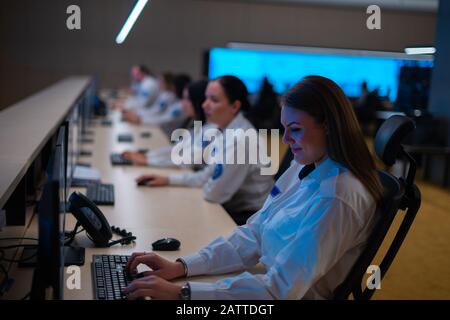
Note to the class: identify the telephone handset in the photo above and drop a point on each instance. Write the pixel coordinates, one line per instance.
(91, 218)
(93, 221)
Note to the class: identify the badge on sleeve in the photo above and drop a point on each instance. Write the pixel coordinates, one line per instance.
(218, 169)
(143, 94)
(275, 191)
(176, 113)
(205, 143)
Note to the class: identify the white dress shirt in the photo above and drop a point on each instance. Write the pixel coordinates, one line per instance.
(162, 102)
(240, 187)
(145, 93)
(162, 157)
(307, 236)
(173, 112)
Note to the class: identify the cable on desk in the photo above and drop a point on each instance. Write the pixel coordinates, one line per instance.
(15, 246)
(70, 236)
(6, 282)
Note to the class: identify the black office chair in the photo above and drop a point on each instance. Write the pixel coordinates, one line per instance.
(400, 194)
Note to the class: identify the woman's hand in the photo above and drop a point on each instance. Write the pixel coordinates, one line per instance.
(138, 158)
(118, 104)
(153, 287)
(152, 180)
(131, 117)
(161, 267)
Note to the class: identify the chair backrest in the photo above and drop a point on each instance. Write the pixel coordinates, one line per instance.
(399, 193)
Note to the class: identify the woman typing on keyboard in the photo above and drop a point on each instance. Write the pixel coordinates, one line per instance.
(310, 230)
(193, 98)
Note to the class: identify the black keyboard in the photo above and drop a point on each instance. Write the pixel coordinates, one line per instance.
(118, 160)
(146, 134)
(101, 194)
(85, 153)
(109, 276)
(125, 137)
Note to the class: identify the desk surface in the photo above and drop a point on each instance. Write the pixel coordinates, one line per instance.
(149, 213)
(27, 125)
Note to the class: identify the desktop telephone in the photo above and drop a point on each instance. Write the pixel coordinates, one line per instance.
(93, 221)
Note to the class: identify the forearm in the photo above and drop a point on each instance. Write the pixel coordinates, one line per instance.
(191, 179)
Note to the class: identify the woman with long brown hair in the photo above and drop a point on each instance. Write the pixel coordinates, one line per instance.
(312, 227)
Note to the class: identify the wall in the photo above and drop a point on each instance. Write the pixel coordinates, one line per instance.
(440, 82)
(37, 49)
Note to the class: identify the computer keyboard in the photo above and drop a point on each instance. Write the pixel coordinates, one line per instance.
(109, 276)
(125, 137)
(101, 194)
(117, 159)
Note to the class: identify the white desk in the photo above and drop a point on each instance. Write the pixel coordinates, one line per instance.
(26, 126)
(149, 213)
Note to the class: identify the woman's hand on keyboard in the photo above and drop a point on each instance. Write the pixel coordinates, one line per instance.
(137, 158)
(160, 267)
(153, 287)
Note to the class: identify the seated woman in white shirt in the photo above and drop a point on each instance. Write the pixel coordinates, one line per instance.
(239, 187)
(167, 111)
(145, 90)
(166, 96)
(193, 98)
(312, 227)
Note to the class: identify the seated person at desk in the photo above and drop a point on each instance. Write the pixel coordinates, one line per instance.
(166, 97)
(312, 227)
(240, 188)
(165, 113)
(144, 90)
(193, 98)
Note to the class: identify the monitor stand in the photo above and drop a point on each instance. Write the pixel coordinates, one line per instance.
(74, 256)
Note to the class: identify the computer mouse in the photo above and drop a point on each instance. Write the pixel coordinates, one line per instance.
(146, 134)
(143, 150)
(143, 182)
(166, 244)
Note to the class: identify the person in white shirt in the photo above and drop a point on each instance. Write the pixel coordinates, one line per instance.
(166, 97)
(312, 227)
(167, 111)
(193, 98)
(144, 91)
(240, 188)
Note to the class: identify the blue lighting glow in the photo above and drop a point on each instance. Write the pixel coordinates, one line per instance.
(284, 69)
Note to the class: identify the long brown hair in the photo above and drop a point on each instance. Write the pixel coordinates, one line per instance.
(325, 101)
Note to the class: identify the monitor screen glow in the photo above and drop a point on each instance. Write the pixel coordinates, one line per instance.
(284, 69)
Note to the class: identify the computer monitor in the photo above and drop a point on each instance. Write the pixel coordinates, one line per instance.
(413, 89)
(73, 142)
(48, 276)
(86, 105)
(348, 68)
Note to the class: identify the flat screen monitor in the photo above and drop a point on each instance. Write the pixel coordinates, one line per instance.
(73, 142)
(48, 276)
(349, 68)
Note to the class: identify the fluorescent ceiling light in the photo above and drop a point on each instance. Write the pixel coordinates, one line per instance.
(353, 52)
(420, 50)
(130, 21)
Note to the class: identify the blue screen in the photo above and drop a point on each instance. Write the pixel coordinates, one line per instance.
(284, 69)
